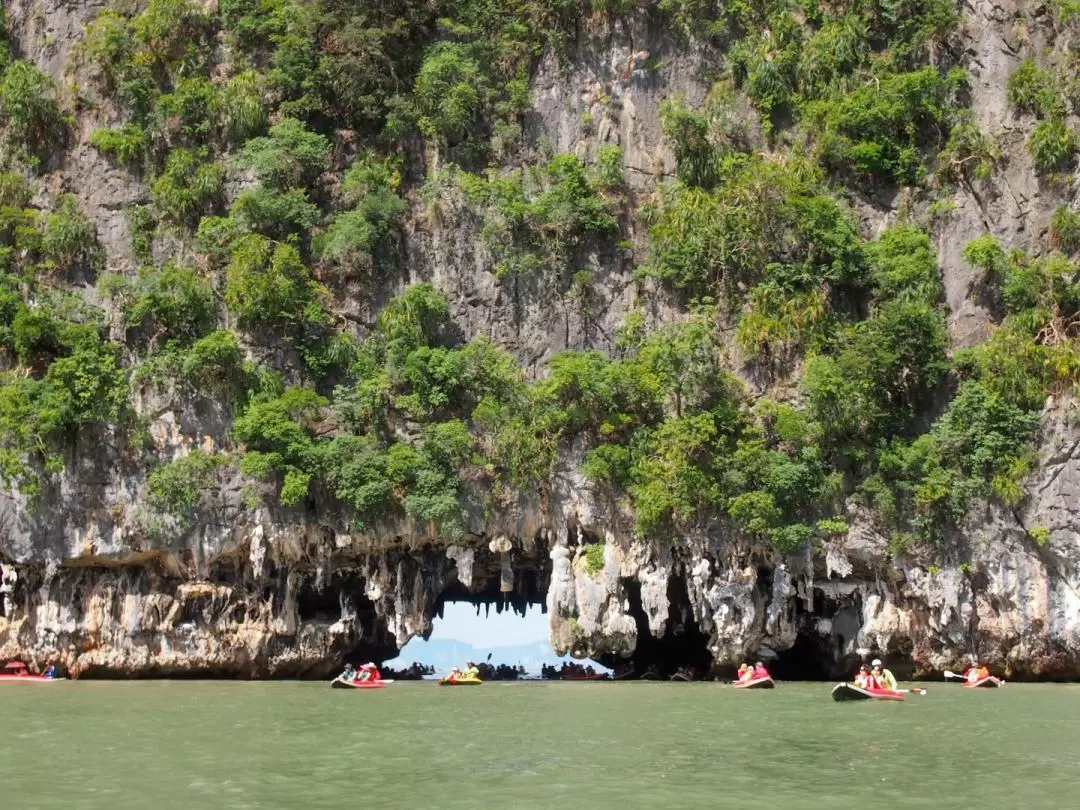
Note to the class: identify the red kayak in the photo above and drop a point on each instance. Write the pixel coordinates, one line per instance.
(989, 682)
(340, 684)
(756, 683)
(16, 671)
(28, 678)
(849, 691)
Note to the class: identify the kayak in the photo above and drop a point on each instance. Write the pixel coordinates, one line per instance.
(989, 682)
(29, 678)
(460, 682)
(337, 683)
(595, 677)
(756, 683)
(849, 691)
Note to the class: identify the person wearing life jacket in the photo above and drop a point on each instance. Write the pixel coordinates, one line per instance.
(745, 673)
(882, 675)
(862, 677)
(50, 672)
(471, 672)
(348, 675)
(760, 671)
(877, 680)
(971, 674)
(368, 672)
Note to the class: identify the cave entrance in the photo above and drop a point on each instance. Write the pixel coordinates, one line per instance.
(499, 622)
(507, 639)
(682, 652)
(824, 644)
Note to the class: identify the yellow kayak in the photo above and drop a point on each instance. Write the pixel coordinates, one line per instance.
(460, 682)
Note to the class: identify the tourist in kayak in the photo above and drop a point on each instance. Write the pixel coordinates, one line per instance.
(862, 677)
(471, 672)
(455, 675)
(746, 673)
(976, 673)
(349, 673)
(369, 672)
(50, 671)
(760, 671)
(882, 676)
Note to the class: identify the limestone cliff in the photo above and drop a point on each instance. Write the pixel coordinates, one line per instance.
(248, 587)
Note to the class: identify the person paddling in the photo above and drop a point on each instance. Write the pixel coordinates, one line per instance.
(760, 671)
(883, 676)
(976, 673)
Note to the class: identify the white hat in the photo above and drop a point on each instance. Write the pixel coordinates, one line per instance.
(876, 662)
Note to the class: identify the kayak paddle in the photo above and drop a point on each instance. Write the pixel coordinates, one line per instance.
(948, 674)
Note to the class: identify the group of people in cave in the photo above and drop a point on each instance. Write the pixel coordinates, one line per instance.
(414, 672)
(570, 670)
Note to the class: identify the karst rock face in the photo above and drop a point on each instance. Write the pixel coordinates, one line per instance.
(249, 588)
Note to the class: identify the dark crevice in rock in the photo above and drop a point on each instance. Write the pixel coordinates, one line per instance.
(682, 647)
(818, 654)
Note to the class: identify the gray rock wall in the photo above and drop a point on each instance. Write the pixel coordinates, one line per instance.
(258, 593)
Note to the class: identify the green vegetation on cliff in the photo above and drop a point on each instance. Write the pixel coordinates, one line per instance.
(282, 144)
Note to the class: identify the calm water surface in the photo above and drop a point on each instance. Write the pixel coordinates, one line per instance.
(86, 745)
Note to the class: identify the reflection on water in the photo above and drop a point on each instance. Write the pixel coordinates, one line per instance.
(164, 745)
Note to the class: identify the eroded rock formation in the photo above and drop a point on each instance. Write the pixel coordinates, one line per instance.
(257, 592)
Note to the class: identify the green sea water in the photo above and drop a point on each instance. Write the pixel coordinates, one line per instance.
(210, 744)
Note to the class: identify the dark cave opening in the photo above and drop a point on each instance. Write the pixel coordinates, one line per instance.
(682, 647)
(318, 605)
(808, 659)
(818, 653)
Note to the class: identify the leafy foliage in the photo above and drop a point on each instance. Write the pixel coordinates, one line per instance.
(126, 143)
(751, 233)
(291, 156)
(1053, 145)
(537, 219)
(186, 187)
(360, 235)
(268, 285)
(29, 113)
(181, 484)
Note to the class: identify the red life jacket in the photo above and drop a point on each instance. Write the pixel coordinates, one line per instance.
(760, 672)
